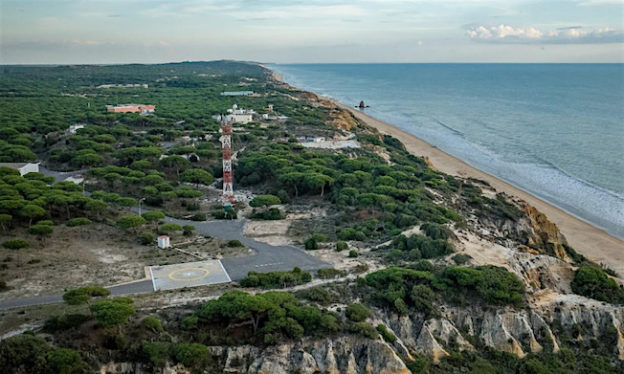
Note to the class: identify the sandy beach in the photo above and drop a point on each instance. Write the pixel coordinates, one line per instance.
(589, 240)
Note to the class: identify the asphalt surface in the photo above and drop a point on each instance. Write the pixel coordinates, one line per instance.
(266, 258)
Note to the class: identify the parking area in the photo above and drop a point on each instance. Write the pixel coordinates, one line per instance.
(190, 274)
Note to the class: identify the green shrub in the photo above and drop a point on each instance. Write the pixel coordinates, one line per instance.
(353, 253)
(264, 200)
(593, 282)
(461, 258)
(436, 231)
(276, 279)
(189, 322)
(364, 329)
(235, 243)
(146, 238)
(169, 228)
(192, 355)
(152, 323)
(330, 273)
(188, 230)
(422, 298)
(357, 312)
(385, 334)
(64, 322)
(318, 294)
(113, 312)
(83, 294)
(198, 217)
(310, 244)
(341, 246)
(80, 221)
(156, 353)
(15, 244)
(66, 361)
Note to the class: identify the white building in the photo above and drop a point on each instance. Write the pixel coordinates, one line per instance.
(75, 127)
(164, 242)
(23, 167)
(236, 115)
(237, 93)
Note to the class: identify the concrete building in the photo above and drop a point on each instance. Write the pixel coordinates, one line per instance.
(131, 108)
(164, 242)
(236, 115)
(23, 167)
(75, 127)
(237, 93)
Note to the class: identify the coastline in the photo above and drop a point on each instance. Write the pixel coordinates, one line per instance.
(591, 241)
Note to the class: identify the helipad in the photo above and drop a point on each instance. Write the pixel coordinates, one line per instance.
(190, 274)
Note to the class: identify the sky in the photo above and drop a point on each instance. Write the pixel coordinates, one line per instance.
(312, 31)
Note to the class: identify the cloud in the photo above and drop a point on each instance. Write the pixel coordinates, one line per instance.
(564, 35)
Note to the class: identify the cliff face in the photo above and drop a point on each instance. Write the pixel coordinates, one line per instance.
(546, 234)
(517, 331)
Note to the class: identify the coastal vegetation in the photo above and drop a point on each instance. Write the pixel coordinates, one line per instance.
(398, 226)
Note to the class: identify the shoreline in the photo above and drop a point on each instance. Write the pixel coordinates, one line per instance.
(591, 241)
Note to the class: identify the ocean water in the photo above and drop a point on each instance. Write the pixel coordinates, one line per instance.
(555, 130)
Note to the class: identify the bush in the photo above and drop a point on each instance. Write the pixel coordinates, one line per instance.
(276, 279)
(146, 238)
(80, 221)
(436, 231)
(461, 258)
(357, 312)
(310, 244)
(272, 214)
(188, 230)
(83, 294)
(192, 355)
(156, 353)
(593, 282)
(385, 334)
(235, 243)
(198, 217)
(330, 273)
(189, 322)
(353, 253)
(66, 361)
(364, 329)
(341, 246)
(318, 294)
(152, 323)
(15, 244)
(422, 298)
(264, 200)
(113, 312)
(169, 228)
(64, 322)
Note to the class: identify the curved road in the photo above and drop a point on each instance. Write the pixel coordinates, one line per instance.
(265, 259)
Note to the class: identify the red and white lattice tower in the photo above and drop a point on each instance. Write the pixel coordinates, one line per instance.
(226, 146)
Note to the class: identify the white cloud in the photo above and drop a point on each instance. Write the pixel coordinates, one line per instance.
(576, 34)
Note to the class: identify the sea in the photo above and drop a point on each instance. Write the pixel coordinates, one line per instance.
(554, 130)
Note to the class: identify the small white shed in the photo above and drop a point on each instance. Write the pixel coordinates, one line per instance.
(164, 242)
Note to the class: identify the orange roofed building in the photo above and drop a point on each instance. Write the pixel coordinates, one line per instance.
(131, 108)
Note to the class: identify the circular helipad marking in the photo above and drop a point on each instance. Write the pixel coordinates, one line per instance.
(188, 274)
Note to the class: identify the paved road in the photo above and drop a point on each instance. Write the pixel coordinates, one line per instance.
(265, 259)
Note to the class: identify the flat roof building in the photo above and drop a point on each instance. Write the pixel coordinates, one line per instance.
(131, 108)
(23, 167)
